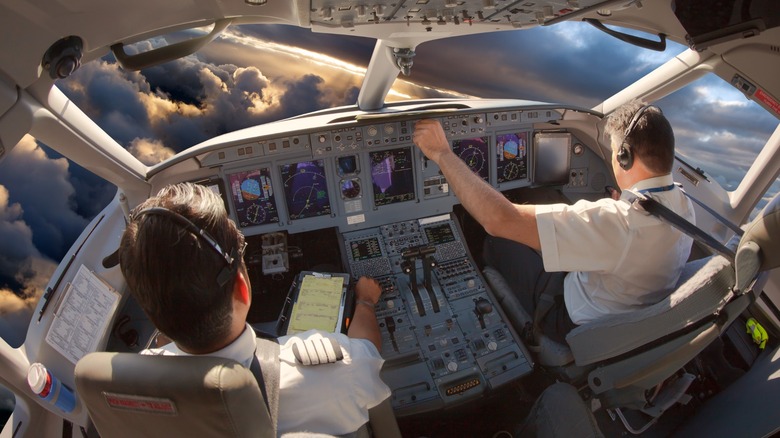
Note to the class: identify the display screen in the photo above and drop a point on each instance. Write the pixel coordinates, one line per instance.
(511, 156)
(551, 157)
(392, 176)
(439, 234)
(474, 152)
(216, 185)
(305, 189)
(365, 249)
(347, 165)
(253, 197)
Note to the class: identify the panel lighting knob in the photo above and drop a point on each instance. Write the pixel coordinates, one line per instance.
(372, 131)
(322, 139)
(452, 367)
(492, 346)
(479, 120)
(389, 129)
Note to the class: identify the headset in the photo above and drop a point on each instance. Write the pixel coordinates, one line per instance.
(231, 266)
(625, 157)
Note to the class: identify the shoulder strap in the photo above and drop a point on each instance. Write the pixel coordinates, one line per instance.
(660, 211)
(265, 367)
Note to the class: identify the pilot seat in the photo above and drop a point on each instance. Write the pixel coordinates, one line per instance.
(623, 356)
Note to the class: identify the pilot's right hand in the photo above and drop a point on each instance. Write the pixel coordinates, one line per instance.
(430, 138)
(368, 289)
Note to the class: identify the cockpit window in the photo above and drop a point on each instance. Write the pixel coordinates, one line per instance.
(712, 120)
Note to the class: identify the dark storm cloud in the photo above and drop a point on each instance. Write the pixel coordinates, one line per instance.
(355, 50)
(297, 96)
(186, 101)
(572, 64)
(712, 120)
(42, 188)
(26, 257)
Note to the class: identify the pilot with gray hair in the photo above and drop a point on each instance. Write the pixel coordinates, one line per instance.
(182, 258)
(602, 257)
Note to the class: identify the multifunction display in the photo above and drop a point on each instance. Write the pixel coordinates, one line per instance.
(392, 176)
(305, 189)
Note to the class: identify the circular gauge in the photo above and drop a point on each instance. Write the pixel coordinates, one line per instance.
(350, 188)
(255, 214)
(578, 149)
(511, 170)
(372, 131)
(389, 129)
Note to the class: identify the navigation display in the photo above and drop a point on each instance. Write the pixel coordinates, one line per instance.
(365, 249)
(305, 189)
(511, 156)
(551, 157)
(253, 197)
(474, 152)
(392, 176)
(439, 234)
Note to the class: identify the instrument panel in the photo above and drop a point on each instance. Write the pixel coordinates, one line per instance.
(372, 174)
(445, 339)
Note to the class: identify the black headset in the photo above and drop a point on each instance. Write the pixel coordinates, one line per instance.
(231, 266)
(625, 157)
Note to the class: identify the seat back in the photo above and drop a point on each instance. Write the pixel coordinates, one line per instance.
(132, 395)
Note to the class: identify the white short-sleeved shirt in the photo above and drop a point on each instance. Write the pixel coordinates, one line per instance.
(619, 257)
(331, 398)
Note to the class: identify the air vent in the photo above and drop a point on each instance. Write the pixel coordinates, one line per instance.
(775, 49)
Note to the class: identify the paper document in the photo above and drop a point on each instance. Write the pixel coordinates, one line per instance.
(81, 318)
(319, 304)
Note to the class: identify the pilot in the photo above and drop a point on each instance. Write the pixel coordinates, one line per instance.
(606, 256)
(195, 289)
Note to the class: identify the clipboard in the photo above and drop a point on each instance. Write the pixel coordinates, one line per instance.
(317, 300)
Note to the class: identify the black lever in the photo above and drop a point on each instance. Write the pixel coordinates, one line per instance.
(409, 267)
(481, 308)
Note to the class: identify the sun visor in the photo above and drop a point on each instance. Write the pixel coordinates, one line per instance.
(708, 23)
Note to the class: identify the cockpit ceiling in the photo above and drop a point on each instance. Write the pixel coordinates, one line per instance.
(28, 29)
(436, 15)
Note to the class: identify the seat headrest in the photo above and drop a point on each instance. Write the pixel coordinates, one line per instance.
(764, 231)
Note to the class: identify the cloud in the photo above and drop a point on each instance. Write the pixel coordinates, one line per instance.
(22, 267)
(41, 188)
(16, 307)
(149, 152)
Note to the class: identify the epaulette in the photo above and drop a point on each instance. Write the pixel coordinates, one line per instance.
(317, 350)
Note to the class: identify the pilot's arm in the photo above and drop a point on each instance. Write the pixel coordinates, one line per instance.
(364, 324)
(499, 216)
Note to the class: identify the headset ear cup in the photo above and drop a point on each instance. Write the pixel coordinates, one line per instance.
(624, 157)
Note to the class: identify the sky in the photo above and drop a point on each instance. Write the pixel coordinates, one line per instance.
(253, 75)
